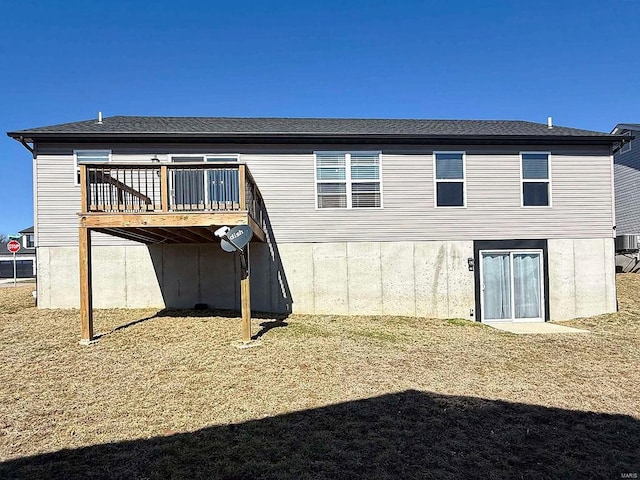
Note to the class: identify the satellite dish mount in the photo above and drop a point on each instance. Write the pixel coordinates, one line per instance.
(234, 240)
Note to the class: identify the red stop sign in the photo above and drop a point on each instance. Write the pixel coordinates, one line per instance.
(13, 246)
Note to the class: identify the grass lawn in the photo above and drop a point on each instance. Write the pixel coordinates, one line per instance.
(163, 395)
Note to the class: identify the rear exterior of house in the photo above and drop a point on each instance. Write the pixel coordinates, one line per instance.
(627, 198)
(483, 220)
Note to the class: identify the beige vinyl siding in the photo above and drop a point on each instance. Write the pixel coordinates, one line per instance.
(581, 196)
(58, 203)
(580, 185)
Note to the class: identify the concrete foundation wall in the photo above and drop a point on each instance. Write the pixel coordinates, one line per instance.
(581, 278)
(428, 279)
(123, 277)
(159, 276)
(424, 279)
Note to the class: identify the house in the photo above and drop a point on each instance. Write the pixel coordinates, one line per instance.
(483, 220)
(626, 166)
(25, 257)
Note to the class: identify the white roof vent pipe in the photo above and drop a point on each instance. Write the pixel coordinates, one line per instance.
(549, 122)
(100, 118)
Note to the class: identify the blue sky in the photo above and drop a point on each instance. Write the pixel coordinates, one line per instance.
(62, 61)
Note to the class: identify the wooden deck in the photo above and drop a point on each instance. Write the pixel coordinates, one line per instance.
(169, 203)
(157, 203)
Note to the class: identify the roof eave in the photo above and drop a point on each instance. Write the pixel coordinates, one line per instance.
(243, 137)
(626, 126)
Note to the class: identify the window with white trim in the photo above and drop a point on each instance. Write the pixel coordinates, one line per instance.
(536, 179)
(215, 157)
(92, 156)
(348, 180)
(449, 179)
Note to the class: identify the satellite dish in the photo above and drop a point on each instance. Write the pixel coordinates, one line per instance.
(240, 236)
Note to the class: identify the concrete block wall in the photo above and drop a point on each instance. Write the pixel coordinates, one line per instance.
(424, 279)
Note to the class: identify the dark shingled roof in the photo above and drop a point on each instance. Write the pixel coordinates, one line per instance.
(334, 127)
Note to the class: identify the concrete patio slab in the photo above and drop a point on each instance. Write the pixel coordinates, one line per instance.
(533, 328)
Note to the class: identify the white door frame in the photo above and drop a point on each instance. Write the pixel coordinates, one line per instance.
(204, 158)
(511, 253)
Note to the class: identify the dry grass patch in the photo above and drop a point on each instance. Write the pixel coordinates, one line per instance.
(13, 300)
(166, 388)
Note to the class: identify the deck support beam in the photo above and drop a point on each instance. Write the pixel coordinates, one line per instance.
(245, 299)
(86, 300)
(245, 304)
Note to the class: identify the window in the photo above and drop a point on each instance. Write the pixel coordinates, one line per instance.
(205, 158)
(222, 158)
(449, 179)
(88, 156)
(535, 179)
(625, 147)
(348, 180)
(28, 241)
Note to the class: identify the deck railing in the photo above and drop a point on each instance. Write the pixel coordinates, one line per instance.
(175, 187)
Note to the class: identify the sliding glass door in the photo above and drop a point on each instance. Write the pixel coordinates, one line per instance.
(208, 187)
(512, 286)
(188, 185)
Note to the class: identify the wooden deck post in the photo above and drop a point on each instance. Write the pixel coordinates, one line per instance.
(242, 186)
(86, 301)
(164, 188)
(84, 203)
(245, 299)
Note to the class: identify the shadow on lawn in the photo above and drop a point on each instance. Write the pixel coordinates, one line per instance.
(275, 320)
(406, 435)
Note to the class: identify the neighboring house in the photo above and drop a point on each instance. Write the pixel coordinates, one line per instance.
(627, 186)
(25, 258)
(484, 220)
